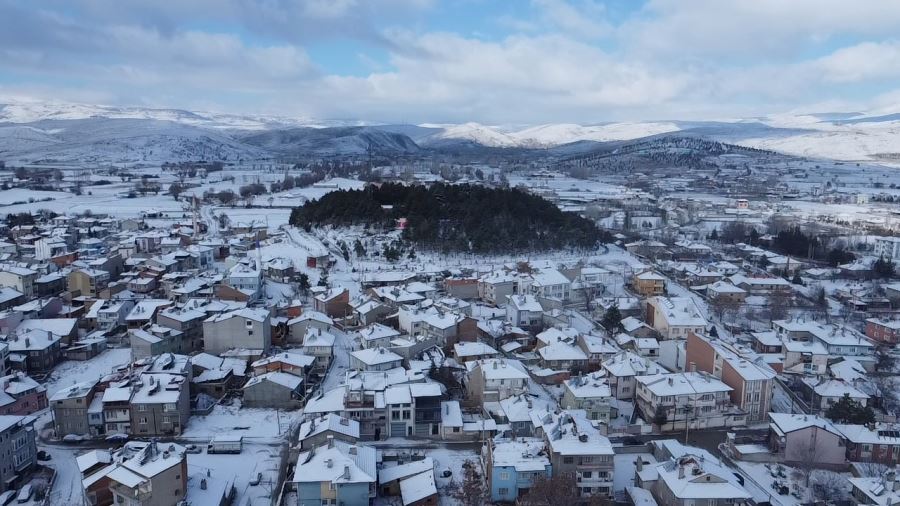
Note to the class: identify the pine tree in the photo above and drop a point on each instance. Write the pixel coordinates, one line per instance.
(612, 319)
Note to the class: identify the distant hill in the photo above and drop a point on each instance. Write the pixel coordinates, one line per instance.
(334, 140)
(457, 217)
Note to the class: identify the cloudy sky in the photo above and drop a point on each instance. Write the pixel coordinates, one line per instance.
(491, 61)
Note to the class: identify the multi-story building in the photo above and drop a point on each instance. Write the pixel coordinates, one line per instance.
(24, 395)
(590, 393)
(336, 473)
(70, 409)
(160, 405)
(242, 328)
(17, 445)
(751, 381)
(887, 247)
(693, 399)
(20, 278)
(512, 467)
(576, 447)
(674, 317)
(883, 330)
(649, 284)
(496, 379)
(187, 321)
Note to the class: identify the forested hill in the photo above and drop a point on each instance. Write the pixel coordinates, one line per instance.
(457, 217)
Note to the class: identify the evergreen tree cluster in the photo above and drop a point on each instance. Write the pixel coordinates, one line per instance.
(456, 217)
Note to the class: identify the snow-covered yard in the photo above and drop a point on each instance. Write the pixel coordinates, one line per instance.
(232, 420)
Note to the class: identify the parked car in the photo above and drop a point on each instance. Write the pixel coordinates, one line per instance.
(7, 497)
(193, 449)
(256, 479)
(43, 455)
(24, 494)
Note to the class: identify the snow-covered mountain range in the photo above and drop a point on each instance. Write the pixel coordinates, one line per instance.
(34, 131)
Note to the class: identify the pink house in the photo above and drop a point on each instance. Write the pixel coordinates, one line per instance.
(20, 395)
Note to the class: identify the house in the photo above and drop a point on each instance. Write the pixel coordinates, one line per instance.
(826, 392)
(524, 311)
(466, 351)
(10, 297)
(805, 438)
(368, 311)
(512, 466)
(690, 479)
(156, 340)
(241, 328)
(19, 278)
(883, 330)
(298, 326)
(187, 321)
(87, 282)
(495, 379)
(751, 381)
(70, 409)
(289, 362)
(561, 356)
(723, 291)
(34, 351)
(391, 480)
(336, 473)
(590, 393)
(877, 491)
(696, 400)
(160, 405)
(675, 317)
(20, 395)
(374, 359)
(334, 302)
(622, 369)
(274, 390)
(760, 285)
(317, 431)
(879, 442)
(319, 345)
(143, 473)
(550, 284)
(377, 335)
(649, 284)
(887, 247)
(17, 445)
(496, 286)
(246, 277)
(576, 447)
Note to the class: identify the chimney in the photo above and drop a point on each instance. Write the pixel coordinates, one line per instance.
(639, 464)
(329, 463)
(680, 471)
(671, 381)
(346, 472)
(352, 450)
(203, 484)
(330, 439)
(693, 367)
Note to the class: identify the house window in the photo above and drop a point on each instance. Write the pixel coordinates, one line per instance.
(568, 460)
(503, 491)
(504, 475)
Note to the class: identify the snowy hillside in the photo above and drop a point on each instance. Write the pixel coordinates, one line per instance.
(32, 131)
(101, 140)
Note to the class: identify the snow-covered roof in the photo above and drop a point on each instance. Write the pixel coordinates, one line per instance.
(687, 383)
(523, 455)
(694, 481)
(277, 377)
(376, 356)
(417, 487)
(591, 386)
(338, 463)
(784, 423)
(679, 311)
(329, 422)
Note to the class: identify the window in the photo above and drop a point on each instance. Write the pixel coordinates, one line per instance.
(504, 475)
(568, 460)
(503, 491)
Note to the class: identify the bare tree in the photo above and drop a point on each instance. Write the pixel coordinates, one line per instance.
(473, 490)
(551, 490)
(828, 485)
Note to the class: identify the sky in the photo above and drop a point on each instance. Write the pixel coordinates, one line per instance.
(498, 62)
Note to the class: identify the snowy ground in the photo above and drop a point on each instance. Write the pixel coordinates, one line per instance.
(232, 420)
(67, 486)
(446, 458)
(71, 372)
